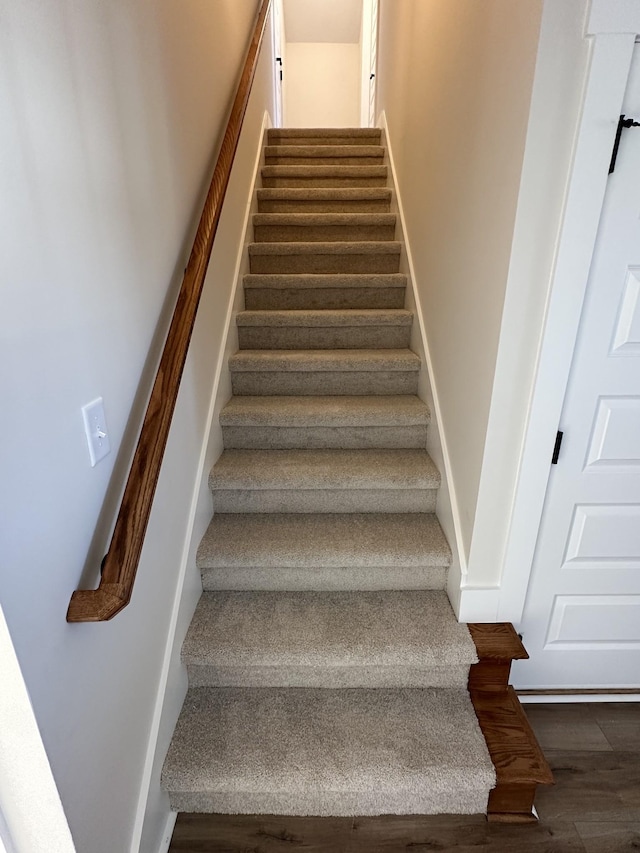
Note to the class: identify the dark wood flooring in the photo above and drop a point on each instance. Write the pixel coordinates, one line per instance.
(594, 806)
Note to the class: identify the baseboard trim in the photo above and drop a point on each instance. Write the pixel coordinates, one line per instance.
(168, 832)
(451, 524)
(623, 694)
(479, 604)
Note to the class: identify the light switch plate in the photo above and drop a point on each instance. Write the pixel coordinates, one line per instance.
(95, 427)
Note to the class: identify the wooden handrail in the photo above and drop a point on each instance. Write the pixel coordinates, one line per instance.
(121, 562)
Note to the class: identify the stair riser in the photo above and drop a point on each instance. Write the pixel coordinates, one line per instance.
(282, 159)
(261, 383)
(329, 264)
(309, 183)
(324, 500)
(330, 677)
(335, 804)
(363, 139)
(274, 299)
(283, 438)
(321, 233)
(327, 337)
(325, 579)
(324, 206)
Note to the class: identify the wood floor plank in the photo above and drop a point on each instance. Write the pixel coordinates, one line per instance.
(583, 788)
(607, 838)
(203, 833)
(464, 834)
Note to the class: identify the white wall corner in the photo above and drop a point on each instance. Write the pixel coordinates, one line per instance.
(182, 611)
(447, 506)
(165, 843)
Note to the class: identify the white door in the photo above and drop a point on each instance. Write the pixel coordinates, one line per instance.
(581, 623)
(373, 65)
(278, 48)
(369, 47)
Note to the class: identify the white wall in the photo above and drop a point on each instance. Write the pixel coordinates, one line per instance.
(223, 297)
(110, 114)
(322, 84)
(561, 68)
(455, 80)
(482, 108)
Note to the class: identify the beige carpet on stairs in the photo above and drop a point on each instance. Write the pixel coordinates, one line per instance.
(327, 671)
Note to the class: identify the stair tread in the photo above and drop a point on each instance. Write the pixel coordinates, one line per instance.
(327, 317)
(324, 194)
(324, 280)
(309, 220)
(315, 171)
(274, 540)
(328, 752)
(350, 247)
(497, 641)
(324, 151)
(370, 360)
(324, 469)
(400, 410)
(328, 132)
(398, 628)
(513, 746)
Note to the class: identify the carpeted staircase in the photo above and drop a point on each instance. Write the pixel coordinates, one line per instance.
(328, 674)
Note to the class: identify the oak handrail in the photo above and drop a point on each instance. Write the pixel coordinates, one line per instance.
(121, 562)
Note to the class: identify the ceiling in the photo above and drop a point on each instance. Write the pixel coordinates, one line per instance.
(323, 20)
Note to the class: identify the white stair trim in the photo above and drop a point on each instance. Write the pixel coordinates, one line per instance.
(447, 510)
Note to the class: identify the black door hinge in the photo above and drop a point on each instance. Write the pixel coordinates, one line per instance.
(622, 123)
(556, 448)
(279, 59)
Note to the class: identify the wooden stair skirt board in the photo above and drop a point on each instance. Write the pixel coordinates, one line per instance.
(325, 564)
(516, 755)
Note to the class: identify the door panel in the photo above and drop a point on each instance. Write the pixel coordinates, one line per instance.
(581, 623)
(373, 66)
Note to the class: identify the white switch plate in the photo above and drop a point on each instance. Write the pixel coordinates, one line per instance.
(95, 426)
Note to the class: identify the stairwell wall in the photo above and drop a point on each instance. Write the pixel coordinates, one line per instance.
(455, 82)
(111, 115)
(482, 103)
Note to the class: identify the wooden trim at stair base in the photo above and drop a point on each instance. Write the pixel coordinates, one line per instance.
(512, 803)
(518, 760)
(497, 645)
(121, 562)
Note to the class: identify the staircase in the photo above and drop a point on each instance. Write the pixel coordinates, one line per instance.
(327, 672)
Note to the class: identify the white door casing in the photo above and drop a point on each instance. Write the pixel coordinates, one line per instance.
(581, 622)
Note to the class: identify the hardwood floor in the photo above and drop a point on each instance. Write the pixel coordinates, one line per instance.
(594, 807)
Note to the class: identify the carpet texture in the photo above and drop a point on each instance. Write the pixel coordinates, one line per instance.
(328, 752)
(327, 671)
(327, 639)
